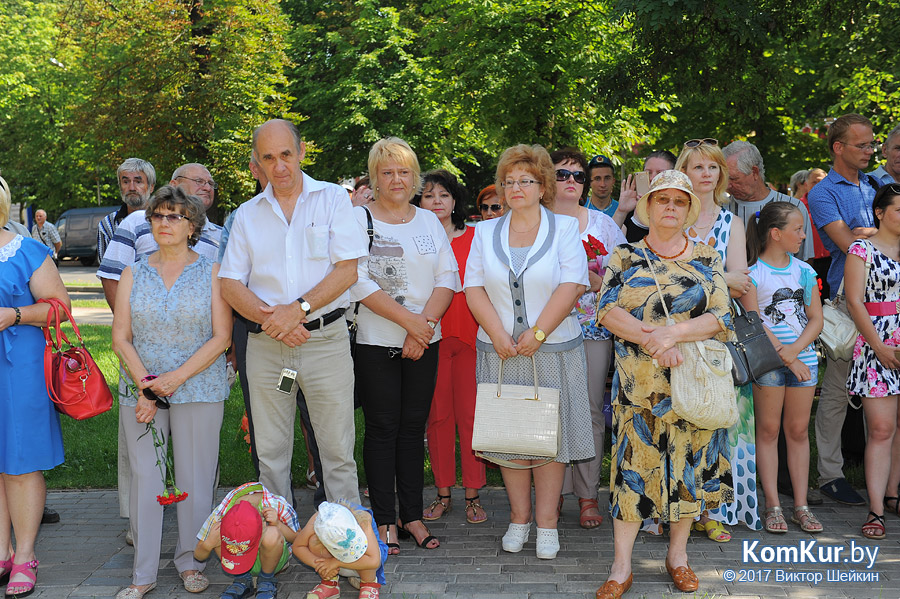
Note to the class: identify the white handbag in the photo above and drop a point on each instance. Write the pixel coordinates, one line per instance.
(701, 386)
(516, 419)
(839, 332)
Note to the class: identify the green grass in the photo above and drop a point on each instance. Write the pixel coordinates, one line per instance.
(83, 303)
(91, 445)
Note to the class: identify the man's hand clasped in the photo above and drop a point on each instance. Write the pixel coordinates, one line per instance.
(285, 324)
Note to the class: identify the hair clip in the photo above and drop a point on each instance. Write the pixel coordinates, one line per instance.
(757, 215)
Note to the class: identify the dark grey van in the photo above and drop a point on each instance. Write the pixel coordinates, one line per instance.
(78, 232)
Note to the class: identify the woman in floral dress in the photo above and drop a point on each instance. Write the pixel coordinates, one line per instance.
(875, 370)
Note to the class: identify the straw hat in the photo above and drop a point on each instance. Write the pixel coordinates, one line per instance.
(671, 179)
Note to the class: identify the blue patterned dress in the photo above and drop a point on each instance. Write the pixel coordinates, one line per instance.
(30, 436)
(741, 436)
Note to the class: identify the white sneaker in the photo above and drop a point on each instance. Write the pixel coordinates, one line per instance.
(547, 543)
(515, 537)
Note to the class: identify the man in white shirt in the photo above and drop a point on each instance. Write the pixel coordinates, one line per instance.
(889, 172)
(293, 282)
(749, 192)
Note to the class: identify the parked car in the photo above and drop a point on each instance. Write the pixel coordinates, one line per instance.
(78, 232)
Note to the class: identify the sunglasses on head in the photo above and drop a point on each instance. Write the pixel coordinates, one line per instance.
(563, 174)
(491, 207)
(693, 143)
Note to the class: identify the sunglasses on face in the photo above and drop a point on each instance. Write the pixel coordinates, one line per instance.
(563, 174)
(172, 218)
(491, 207)
(693, 143)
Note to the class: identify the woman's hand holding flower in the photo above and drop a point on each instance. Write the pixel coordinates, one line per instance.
(145, 410)
(166, 384)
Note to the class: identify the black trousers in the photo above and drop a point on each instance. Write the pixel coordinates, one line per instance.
(395, 394)
(239, 341)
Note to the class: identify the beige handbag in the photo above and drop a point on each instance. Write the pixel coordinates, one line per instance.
(839, 332)
(702, 388)
(516, 419)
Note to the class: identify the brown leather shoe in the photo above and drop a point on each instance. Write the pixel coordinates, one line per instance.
(684, 578)
(614, 590)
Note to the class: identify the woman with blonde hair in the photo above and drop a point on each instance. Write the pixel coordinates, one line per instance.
(704, 163)
(525, 272)
(405, 285)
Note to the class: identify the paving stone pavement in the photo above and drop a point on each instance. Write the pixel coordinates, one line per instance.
(85, 555)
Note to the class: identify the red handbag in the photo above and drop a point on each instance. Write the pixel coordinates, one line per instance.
(74, 381)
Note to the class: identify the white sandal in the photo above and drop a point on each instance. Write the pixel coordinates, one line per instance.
(133, 593)
(547, 543)
(515, 537)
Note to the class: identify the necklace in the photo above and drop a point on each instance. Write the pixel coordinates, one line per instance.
(663, 256)
(401, 219)
(525, 231)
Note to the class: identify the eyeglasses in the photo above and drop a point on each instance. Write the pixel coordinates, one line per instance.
(522, 183)
(173, 218)
(491, 207)
(564, 174)
(200, 182)
(863, 147)
(678, 202)
(161, 402)
(693, 143)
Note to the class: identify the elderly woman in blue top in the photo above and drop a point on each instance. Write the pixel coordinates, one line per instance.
(524, 274)
(171, 329)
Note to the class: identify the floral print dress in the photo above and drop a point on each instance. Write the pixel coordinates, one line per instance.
(867, 376)
(662, 466)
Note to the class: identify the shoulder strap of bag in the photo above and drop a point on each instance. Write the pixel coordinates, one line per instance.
(370, 230)
(869, 258)
(655, 280)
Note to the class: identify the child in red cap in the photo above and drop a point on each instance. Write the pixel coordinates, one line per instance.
(342, 535)
(251, 531)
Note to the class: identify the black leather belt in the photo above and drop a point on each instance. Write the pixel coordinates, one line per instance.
(322, 321)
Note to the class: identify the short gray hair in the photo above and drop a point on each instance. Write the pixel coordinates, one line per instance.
(135, 165)
(748, 156)
(798, 178)
(179, 172)
(894, 131)
(175, 199)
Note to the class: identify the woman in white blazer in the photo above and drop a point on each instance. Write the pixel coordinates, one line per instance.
(524, 274)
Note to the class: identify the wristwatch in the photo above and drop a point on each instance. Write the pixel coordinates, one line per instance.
(304, 305)
(539, 334)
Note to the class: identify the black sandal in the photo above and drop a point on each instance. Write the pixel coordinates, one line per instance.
(403, 533)
(896, 501)
(393, 548)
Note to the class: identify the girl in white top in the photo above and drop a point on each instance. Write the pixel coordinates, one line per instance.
(786, 297)
(405, 286)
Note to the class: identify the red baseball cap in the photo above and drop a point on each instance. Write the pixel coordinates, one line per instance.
(241, 531)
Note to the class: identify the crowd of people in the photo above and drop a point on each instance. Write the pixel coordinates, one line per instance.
(386, 298)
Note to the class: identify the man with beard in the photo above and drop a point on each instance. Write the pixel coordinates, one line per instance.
(137, 178)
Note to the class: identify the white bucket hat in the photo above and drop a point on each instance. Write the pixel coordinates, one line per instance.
(340, 533)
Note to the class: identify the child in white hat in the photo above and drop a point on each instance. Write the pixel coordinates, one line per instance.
(340, 535)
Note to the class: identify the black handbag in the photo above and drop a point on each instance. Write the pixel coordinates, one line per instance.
(752, 353)
(351, 324)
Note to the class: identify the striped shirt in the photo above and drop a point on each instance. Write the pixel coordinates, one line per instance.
(133, 239)
(107, 228)
(286, 513)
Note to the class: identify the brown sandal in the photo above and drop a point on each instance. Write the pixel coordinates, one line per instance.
(614, 590)
(684, 578)
(589, 504)
(445, 508)
(472, 504)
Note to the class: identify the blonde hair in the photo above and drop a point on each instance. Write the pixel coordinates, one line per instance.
(715, 154)
(534, 159)
(394, 148)
(5, 199)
